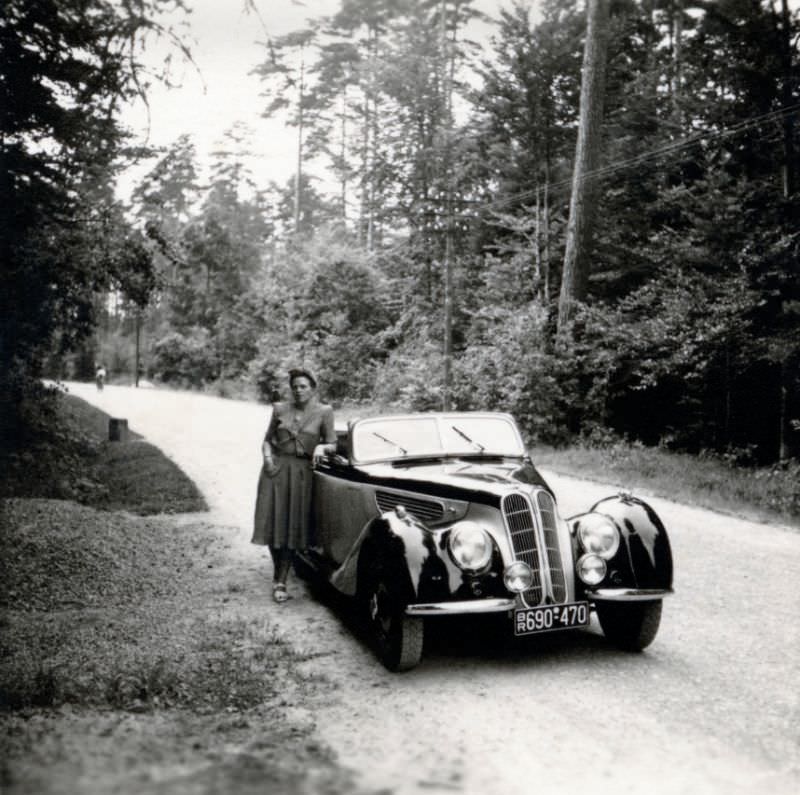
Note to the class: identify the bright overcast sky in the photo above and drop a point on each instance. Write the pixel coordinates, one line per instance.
(225, 46)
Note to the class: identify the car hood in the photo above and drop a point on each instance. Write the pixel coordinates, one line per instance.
(454, 478)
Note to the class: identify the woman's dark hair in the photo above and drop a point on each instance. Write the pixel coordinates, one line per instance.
(299, 372)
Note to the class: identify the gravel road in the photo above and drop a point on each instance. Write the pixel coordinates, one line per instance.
(711, 707)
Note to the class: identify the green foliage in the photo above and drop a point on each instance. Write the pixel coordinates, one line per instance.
(65, 67)
(718, 482)
(37, 449)
(60, 450)
(188, 360)
(508, 366)
(692, 310)
(116, 352)
(270, 368)
(411, 377)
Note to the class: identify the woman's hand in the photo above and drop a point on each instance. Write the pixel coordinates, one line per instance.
(269, 461)
(320, 452)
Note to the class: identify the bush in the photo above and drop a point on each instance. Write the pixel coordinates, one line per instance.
(507, 365)
(777, 486)
(269, 370)
(39, 451)
(412, 377)
(186, 360)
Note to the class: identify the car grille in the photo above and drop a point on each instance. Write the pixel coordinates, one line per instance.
(519, 518)
(519, 515)
(424, 510)
(547, 513)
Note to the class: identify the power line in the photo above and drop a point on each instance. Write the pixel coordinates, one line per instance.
(667, 149)
(612, 168)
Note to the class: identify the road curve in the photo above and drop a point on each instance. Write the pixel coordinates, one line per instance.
(710, 707)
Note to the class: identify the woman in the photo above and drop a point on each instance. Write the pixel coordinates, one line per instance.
(299, 434)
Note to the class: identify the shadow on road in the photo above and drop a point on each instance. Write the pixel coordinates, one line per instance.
(460, 639)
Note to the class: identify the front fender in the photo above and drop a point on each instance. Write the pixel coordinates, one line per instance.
(416, 563)
(402, 544)
(643, 562)
(404, 551)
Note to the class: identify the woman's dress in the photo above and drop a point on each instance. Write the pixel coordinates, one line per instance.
(283, 503)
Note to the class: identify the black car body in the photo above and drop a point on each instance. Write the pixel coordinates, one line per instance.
(444, 513)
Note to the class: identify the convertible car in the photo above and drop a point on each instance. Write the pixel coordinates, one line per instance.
(441, 514)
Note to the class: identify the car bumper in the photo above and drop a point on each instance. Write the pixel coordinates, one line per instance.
(501, 605)
(629, 594)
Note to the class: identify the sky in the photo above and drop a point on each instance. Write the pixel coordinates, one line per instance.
(226, 44)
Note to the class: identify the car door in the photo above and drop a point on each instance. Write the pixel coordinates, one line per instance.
(342, 508)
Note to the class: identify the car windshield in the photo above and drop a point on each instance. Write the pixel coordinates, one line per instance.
(388, 438)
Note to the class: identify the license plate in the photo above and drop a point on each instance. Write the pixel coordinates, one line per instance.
(549, 618)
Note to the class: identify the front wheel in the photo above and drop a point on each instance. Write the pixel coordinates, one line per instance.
(631, 626)
(398, 638)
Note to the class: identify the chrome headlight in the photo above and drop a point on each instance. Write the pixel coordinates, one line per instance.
(518, 577)
(591, 569)
(470, 546)
(598, 535)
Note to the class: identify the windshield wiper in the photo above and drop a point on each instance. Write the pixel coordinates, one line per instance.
(402, 450)
(466, 438)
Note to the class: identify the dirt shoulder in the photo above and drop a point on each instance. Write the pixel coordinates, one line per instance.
(137, 655)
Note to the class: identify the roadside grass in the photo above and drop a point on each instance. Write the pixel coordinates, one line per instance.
(130, 475)
(103, 609)
(70, 457)
(105, 613)
(110, 610)
(759, 493)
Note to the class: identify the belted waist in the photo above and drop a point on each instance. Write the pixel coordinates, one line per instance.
(304, 456)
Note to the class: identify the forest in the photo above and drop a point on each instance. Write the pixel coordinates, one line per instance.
(419, 257)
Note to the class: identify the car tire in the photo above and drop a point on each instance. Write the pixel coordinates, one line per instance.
(398, 638)
(632, 626)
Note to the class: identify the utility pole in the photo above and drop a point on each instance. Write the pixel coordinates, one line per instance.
(448, 312)
(372, 139)
(138, 321)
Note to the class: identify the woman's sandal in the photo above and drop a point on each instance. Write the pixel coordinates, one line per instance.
(279, 593)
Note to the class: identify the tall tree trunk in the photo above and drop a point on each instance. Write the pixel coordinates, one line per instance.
(373, 160)
(447, 394)
(447, 76)
(548, 138)
(362, 221)
(787, 100)
(541, 247)
(575, 277)
(372, 141)
(677, 60)
(343, 155)
(546, 239)
(537, 246)
(298, 176)
(789, 188)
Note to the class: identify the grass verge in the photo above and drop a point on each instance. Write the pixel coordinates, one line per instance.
(71, 458)
(135, 651)
(762, 494)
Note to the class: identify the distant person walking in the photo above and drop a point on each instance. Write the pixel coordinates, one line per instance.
(100, 377)
(300, 433)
